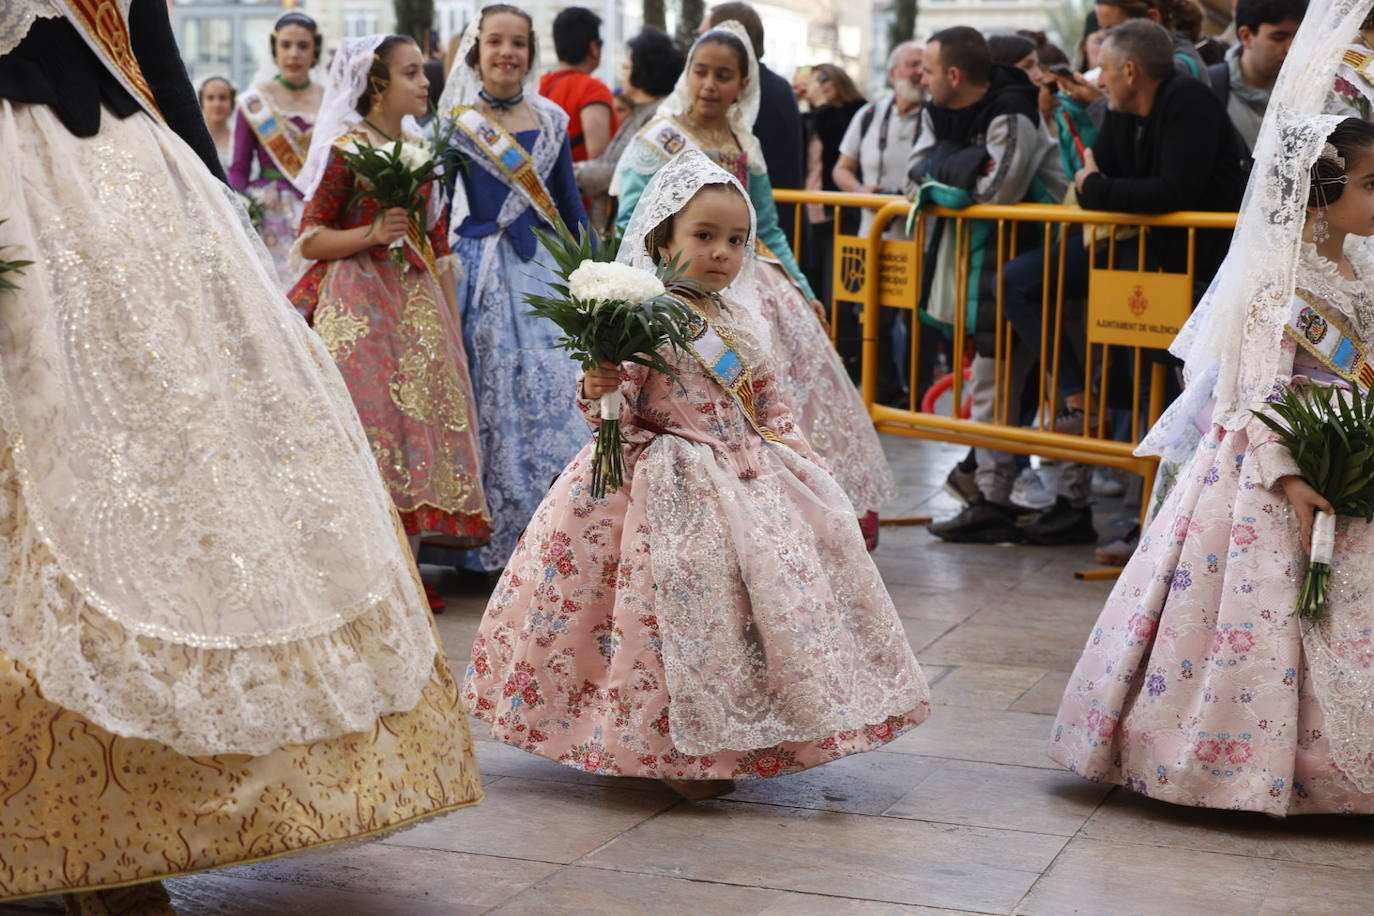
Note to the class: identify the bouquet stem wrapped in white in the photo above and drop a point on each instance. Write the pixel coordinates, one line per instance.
(611, 314)
(1330, 433)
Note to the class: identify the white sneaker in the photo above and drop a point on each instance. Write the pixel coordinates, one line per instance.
(1029, 490)
(1107, 484)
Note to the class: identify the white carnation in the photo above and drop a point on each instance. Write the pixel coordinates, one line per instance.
(599, 281)
(414, 156)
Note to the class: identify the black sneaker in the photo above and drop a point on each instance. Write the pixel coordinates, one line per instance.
(1061, 524)
(982, 522)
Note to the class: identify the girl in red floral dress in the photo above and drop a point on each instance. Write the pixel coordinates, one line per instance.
(393, 330)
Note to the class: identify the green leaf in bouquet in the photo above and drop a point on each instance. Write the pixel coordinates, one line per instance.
(10, 267)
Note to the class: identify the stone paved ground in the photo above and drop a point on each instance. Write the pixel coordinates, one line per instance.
(965, 814)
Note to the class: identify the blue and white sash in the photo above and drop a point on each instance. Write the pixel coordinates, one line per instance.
(1316, 327)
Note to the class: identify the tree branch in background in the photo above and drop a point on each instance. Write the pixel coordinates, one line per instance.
(656, 13)
(414, 18)
(689, 20)
(903, 26)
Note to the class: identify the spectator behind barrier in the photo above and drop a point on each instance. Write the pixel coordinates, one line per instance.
(835, 100)
(587, 100)
(873, 160)
(1165, 145)
(981, 140)
(1168, 13)
(1264, 31)
(1017, 51)
(779, 125)
(653, 62)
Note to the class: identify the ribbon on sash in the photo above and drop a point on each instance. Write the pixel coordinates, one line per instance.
(508, 158)
(1361, 63)
(274, 132)
(1314, 326)
(105, 29)
(716, 352)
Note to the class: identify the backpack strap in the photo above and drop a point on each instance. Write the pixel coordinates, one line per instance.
(867, 121)
(1189, 63)
(1219, 75)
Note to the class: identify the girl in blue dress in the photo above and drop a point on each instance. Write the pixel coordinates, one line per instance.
(514, 174)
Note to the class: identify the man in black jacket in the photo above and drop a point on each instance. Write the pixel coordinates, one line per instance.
(779, 126)
(1165, 145)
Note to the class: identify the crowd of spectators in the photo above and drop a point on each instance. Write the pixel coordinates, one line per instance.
(1144, 114)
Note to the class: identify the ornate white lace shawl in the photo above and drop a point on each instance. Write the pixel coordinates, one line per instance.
(1230, 345)
(671, 188)
(203, 553)
(18, 16)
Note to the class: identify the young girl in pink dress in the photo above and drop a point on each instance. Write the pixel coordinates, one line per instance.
(712, 109)
(718, 617)
(391, 327)
(1198, 686)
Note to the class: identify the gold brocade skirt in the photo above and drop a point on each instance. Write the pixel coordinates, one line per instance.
(81, 808)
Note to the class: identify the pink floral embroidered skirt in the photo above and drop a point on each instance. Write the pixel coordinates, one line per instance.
(1195, 685)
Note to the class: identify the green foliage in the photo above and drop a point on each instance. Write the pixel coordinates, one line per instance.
(690, 14)
(613, 332)
(393, 183)
(903, 26)
(1330, 433)
(256, 212)
(414, 18)
(10, 267)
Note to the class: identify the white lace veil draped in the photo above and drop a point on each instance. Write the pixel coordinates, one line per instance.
(1231, 344)
(344, 85)
(672, 188)
(199, 547)
(18, 16)
(462, 88)
(741, 116)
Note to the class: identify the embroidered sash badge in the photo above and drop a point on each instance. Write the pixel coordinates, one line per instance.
(508, 157)
(1315, 327)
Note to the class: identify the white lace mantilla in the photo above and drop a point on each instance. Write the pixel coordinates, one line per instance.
(1340, 656)
(1231, 344)
(201, 552)
(18, 16)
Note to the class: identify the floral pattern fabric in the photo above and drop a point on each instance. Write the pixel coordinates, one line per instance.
(1197, 685)
(717, 617)
(396, 339)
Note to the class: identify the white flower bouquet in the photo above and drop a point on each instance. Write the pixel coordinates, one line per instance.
(393, 176)
(611, 314)
(1330, 433)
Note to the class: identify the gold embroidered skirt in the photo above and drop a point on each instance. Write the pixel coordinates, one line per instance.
(81, 808)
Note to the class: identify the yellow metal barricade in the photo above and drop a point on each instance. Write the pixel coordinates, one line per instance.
(1128, 312)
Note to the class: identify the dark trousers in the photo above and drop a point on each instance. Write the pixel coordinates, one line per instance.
(1024, 285)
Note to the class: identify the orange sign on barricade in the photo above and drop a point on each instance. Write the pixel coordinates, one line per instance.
(1132, 308)
(897, 271)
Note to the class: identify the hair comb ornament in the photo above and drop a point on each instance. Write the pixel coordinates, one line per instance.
(1330, 152)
